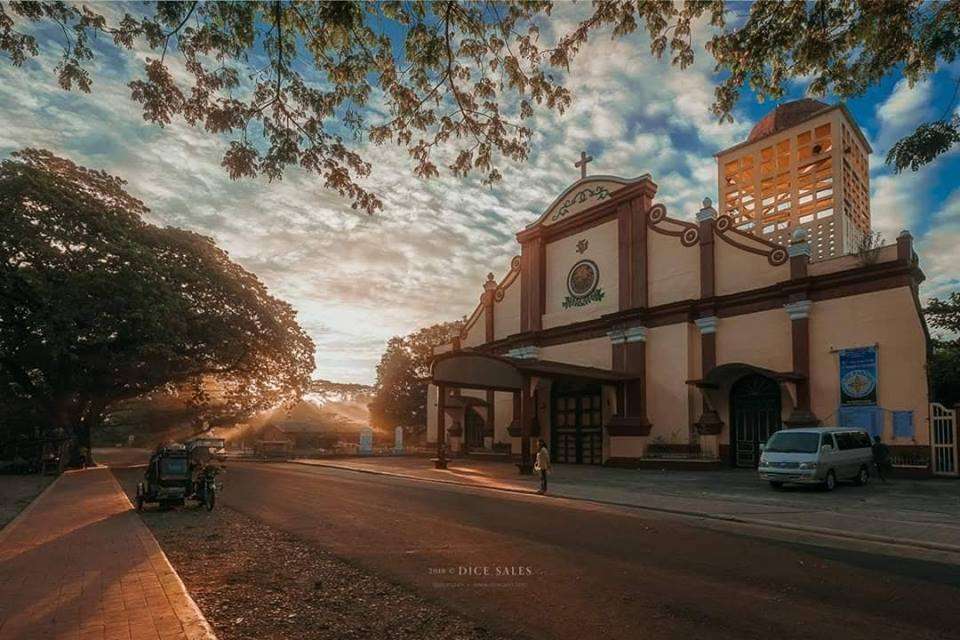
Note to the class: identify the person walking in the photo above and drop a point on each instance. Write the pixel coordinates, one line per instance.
(542, 465)
(881, 458)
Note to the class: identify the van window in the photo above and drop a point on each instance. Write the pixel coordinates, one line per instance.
(853, 440)
(845, 441)
(828, 439)
(787, 442)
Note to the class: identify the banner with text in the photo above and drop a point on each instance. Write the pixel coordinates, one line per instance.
(858, 376)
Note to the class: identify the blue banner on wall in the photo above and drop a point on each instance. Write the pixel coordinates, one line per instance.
(870, 419)
(858, 376)
(903, 424)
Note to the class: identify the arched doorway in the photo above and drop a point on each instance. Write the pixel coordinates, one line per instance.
(474, 428)
(754, 416)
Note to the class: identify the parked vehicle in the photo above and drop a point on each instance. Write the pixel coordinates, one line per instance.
(167, 479)
(175, 475)
(822, 456)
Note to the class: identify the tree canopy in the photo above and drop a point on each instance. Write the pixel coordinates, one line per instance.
(98, 306)
(309, 83)
(944, 367)
(400, 392)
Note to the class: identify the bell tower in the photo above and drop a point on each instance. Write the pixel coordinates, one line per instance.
(804, 165)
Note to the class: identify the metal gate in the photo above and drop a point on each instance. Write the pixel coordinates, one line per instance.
(755, 416)
(943, 440)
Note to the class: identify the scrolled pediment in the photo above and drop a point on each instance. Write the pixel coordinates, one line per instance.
(582, 195)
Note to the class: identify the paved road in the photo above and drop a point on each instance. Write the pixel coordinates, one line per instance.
(576, 570)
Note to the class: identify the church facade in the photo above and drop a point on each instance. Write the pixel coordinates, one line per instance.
(624, 334)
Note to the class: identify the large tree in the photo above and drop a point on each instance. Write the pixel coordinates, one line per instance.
(307, 83)
(97, 306)
(945, 353)
(400, 392)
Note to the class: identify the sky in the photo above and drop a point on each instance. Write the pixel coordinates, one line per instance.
(356, 280)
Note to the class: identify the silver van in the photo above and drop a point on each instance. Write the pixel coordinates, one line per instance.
(822, 456)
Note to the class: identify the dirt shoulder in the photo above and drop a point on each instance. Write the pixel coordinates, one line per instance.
(17, 491)
(254, 582)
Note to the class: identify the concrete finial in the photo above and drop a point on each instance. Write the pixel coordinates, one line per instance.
(490, 283)
(798, 244)
(905, 234)
(707, 212)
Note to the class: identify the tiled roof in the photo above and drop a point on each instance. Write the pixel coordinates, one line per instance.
(785, 116)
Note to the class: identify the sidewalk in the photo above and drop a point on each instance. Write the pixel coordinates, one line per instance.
(79, 564)
(918, 513)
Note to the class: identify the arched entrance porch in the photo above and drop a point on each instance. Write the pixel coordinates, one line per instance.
(743, 405)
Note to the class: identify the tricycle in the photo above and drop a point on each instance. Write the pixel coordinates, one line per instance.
(176, 474)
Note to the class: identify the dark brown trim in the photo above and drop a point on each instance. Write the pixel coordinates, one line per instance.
(491, 425)
(528, 410)
(441, 422)
(775, 254)
(708, 353)
(798, 266)
(866, 279)
(688, 232)
(632, 252)
(532, 289)
(905, 247)
(487, 302)
(800, 337)
(707, 259)
(801, 416)
(591, 216)
(624, 275)
(636, 365)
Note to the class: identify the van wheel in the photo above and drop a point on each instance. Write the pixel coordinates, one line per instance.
(863, 477)
(831, 482)
(776, 484)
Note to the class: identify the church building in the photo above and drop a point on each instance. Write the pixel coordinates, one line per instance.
(625, 334)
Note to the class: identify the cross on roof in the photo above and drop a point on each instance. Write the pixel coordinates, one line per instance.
(582, 163)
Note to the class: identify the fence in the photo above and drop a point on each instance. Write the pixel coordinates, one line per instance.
(943, 440)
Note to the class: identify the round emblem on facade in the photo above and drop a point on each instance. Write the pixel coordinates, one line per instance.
(583, 278)
(858, 383)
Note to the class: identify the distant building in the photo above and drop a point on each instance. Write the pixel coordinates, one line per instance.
(804, 165)
(307, 426)
(303, 435)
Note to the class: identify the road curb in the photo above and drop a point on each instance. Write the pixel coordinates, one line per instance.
(7, 528)
(835, 533)
(202, 629)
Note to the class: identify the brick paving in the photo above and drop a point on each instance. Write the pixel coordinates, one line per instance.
(79, 564)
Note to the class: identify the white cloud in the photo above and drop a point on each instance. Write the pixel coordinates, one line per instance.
(357, 280)
(902, 111)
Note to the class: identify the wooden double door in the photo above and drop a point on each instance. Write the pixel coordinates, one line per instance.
(577, 424)
(754, 416)
(474, 429)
